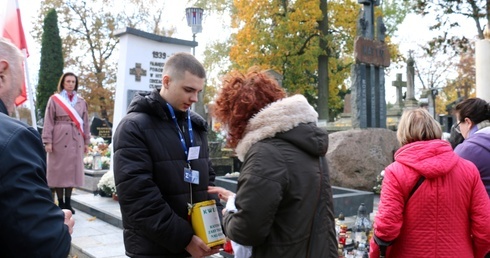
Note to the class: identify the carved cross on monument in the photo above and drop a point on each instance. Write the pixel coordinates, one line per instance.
(399, 84)
(137, 71)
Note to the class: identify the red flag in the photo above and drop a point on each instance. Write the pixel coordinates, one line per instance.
(13, 30)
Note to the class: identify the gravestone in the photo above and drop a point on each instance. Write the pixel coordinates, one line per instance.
(101, 128)
(399, 84)
(345, 200)
(394, 113)
(347, 105)
(410, 101)
(428, 101)
(142, 56)
(222, 162)
(368, 76)
(446, 121)
(344, 122)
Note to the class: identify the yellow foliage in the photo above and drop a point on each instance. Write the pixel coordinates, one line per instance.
(285, 36)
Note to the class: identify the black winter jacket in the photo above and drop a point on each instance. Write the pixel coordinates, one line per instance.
(149, 163)
(284, 197)
(31, 225)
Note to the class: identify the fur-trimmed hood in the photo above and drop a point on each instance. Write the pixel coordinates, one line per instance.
(292, 119)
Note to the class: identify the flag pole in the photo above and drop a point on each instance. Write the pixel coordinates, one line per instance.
(30, 92)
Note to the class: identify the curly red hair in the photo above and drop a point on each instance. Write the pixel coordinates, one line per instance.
(243, 96)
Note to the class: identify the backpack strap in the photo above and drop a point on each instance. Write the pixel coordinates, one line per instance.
(419, 182)
(383, 245)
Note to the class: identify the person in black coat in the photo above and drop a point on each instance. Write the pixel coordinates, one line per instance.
(153, 144)
(283, 206)
(31, 224)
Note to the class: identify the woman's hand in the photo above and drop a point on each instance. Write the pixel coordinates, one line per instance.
(223, 194)
(48, 147)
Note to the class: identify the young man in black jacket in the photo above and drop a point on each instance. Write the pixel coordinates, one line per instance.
(31, 224)
(154, 144)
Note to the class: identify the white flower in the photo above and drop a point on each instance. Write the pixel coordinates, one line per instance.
(106, 161)
(88, 160)
(107, 183)
(99, 140)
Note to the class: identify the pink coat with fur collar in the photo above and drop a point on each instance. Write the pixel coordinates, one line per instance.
(448, 215)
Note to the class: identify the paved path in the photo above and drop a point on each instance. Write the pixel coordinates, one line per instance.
(98, 226)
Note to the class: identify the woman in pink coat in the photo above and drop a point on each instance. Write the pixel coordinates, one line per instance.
(66, 137)
(447, 215)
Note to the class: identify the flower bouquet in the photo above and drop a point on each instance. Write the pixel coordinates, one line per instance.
(107, 185)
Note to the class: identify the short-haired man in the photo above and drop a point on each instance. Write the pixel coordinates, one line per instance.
(31, 224)
(154, 143)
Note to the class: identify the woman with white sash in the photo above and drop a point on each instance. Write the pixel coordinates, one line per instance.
(66, 137)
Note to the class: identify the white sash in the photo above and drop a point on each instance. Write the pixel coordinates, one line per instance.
(72, 113)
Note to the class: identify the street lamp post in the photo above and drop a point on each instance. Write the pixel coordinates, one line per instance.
(194, 20)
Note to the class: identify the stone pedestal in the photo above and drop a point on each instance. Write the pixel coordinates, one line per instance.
(482, 64)
(92, 178)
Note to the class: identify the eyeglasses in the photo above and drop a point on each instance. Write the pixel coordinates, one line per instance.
(456, 128)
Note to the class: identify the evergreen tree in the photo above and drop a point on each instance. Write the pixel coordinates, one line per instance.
(51, 66)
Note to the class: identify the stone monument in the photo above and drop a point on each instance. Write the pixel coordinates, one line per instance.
(344, 122)
(395, 112)
(410, 101)
(399, 84)
(428, 100)
(101, 128)
(368, 75)
(142, 56)
(482, 64)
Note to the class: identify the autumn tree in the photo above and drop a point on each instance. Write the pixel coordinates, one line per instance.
(51, 66)
(461, 87)
(286, 36)
(448, 15)
(87, 31)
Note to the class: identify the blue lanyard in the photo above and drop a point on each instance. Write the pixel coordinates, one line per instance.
(189, 124)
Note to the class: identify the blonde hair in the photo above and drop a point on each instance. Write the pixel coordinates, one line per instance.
(417, 125)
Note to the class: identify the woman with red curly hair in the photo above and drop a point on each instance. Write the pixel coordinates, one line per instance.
(283, 206)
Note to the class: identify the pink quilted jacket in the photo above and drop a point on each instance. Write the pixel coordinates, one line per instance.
(448, 215)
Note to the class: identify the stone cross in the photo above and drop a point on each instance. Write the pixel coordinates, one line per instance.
(138, 72)
(367, 22)
(399, 84)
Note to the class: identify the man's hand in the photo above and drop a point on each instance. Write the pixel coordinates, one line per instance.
(198, 249)
(69, 221)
